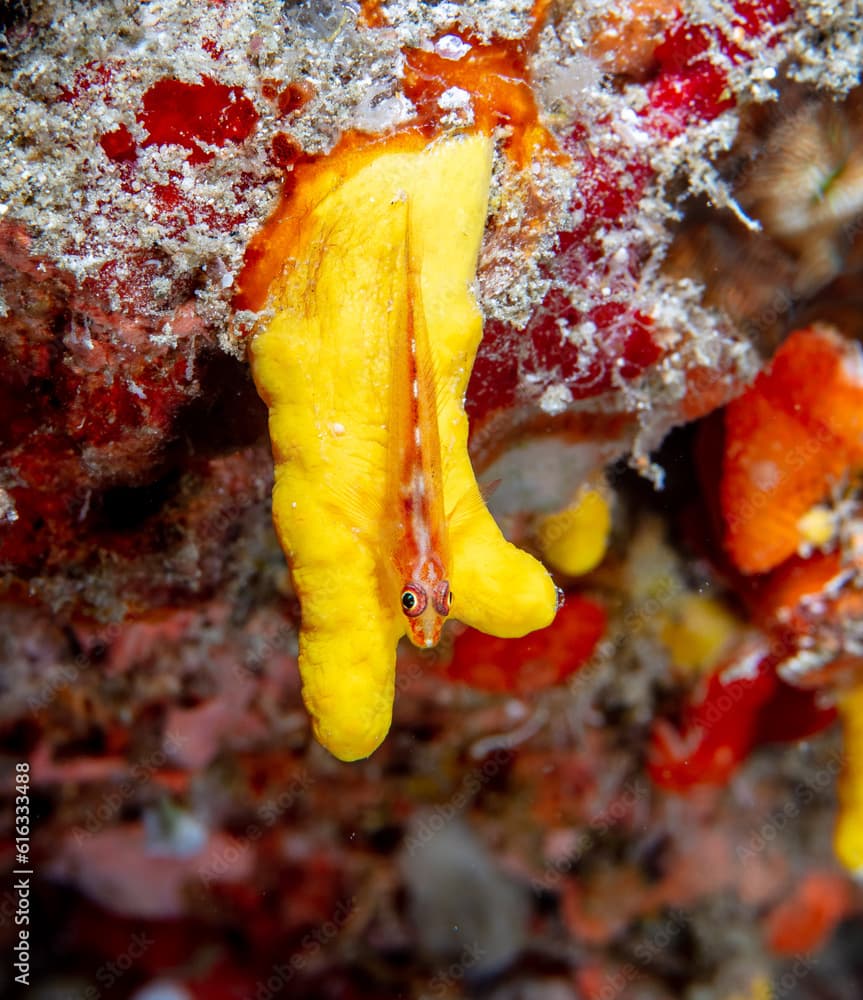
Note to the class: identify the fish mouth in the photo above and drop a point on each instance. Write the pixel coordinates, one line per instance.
(424, 638)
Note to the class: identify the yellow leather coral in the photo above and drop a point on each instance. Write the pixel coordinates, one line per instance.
(323, 364)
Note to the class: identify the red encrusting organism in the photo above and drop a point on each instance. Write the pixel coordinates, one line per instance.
(191, 114)
(688, 88)
(803, 922)
(788, 441)
(540, 660)
(119, 144)
(718, 730)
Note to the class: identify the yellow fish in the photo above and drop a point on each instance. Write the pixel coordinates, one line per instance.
(364, 365)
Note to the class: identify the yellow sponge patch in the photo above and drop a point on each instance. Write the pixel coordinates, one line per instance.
(848, 836)
(322, 364)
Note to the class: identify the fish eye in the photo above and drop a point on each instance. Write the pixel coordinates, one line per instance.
(443, 598)
(413, 600)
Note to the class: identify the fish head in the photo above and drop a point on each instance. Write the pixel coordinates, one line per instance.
(426, 601)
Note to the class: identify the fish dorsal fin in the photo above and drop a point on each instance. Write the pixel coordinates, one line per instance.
(427, 368)
(414, 487)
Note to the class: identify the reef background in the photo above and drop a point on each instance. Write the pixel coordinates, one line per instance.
(597, 813)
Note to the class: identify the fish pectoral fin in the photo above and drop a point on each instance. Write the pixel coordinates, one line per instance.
(362, 509)
(471, 503)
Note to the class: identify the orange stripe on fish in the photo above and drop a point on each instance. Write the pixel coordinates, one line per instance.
(420, 542)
